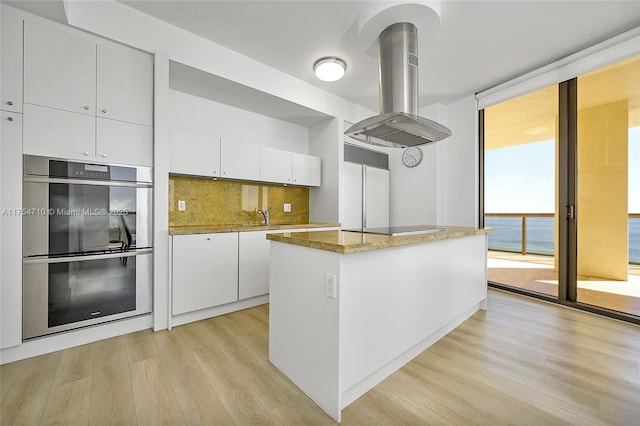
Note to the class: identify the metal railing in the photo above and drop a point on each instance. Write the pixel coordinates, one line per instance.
(523, 240)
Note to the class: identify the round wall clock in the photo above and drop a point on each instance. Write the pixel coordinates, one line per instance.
(412, 156)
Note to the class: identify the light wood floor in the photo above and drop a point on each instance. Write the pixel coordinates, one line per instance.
(521, 362)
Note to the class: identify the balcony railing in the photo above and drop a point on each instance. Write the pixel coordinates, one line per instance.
(508, 238)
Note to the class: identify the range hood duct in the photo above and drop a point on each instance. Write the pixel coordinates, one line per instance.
(398, 124)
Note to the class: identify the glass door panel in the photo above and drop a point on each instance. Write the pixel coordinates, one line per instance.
(520, 187)
(608, 187)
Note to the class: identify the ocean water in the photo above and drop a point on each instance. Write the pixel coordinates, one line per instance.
(507, 235)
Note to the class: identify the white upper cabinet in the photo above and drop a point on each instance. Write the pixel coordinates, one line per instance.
(59, 68)
(239, 160)
(11, 63)
(55, 133)
(85, 98)
(124, 143)
(281, 166)
(125, 85)
(194, 153)
(275, 165)
(66, 71)
(306, 170)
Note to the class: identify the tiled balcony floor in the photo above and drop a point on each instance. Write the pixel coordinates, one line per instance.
(536, 273)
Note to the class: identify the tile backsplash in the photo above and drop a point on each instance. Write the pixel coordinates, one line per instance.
(222, 202)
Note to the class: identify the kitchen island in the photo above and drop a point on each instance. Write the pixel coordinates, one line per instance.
(348, 309)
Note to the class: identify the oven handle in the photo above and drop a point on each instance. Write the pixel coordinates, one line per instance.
(45, 179)
(36, 260)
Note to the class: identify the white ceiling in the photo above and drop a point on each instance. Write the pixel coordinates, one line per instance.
(478, 44)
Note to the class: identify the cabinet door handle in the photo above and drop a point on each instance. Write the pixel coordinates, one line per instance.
(86, 107)
(9, 103)
(104, 111)
(104, 155)
(10, 118)
(208, 238)
(86, 153)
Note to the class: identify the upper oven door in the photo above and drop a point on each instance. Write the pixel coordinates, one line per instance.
(64, 216)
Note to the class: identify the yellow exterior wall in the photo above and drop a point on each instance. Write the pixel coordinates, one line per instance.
(602, 204)
(218, 202)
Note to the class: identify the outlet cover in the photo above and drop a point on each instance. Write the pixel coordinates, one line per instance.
(287, 207)
(182, 206)
(330, 285)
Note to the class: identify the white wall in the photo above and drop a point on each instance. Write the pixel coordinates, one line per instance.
(457, 159)
(200, 115)
(413, 191)
(443, 189)
(325, 202)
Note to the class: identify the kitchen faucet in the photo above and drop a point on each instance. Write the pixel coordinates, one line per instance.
(265, 213)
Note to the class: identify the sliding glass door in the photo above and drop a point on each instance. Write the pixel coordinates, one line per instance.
(562, 190)
(520, 191)
(608, 187)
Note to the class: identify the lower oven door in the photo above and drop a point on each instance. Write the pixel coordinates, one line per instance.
(71, 292)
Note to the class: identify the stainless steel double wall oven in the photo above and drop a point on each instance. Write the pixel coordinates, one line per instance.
(87, 244)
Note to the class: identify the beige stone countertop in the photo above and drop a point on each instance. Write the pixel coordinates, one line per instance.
(353, 242)
(212, 229)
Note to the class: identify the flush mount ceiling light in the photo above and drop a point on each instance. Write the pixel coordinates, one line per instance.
(329, 69)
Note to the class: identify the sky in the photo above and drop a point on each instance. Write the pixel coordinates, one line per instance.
(520, 179)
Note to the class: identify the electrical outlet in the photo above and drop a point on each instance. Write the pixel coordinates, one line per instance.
(287, 207)
(182, 206)
(330, 285)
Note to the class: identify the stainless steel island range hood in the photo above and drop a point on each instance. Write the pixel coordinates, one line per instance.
(398, 124)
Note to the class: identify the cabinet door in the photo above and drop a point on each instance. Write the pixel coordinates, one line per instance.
(253, 277)
(275, 165)
(125, 84)
(194, 153)
(306, 170)
(11, 63)
(352, 195)
(376, 197)
(55, 133)
(11, 228)
(239, 160)
(205, 271)
(124, 143)
(59, 68)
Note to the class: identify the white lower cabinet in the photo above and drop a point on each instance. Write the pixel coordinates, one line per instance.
(253, 258)
(205, 271)
(214, 269)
